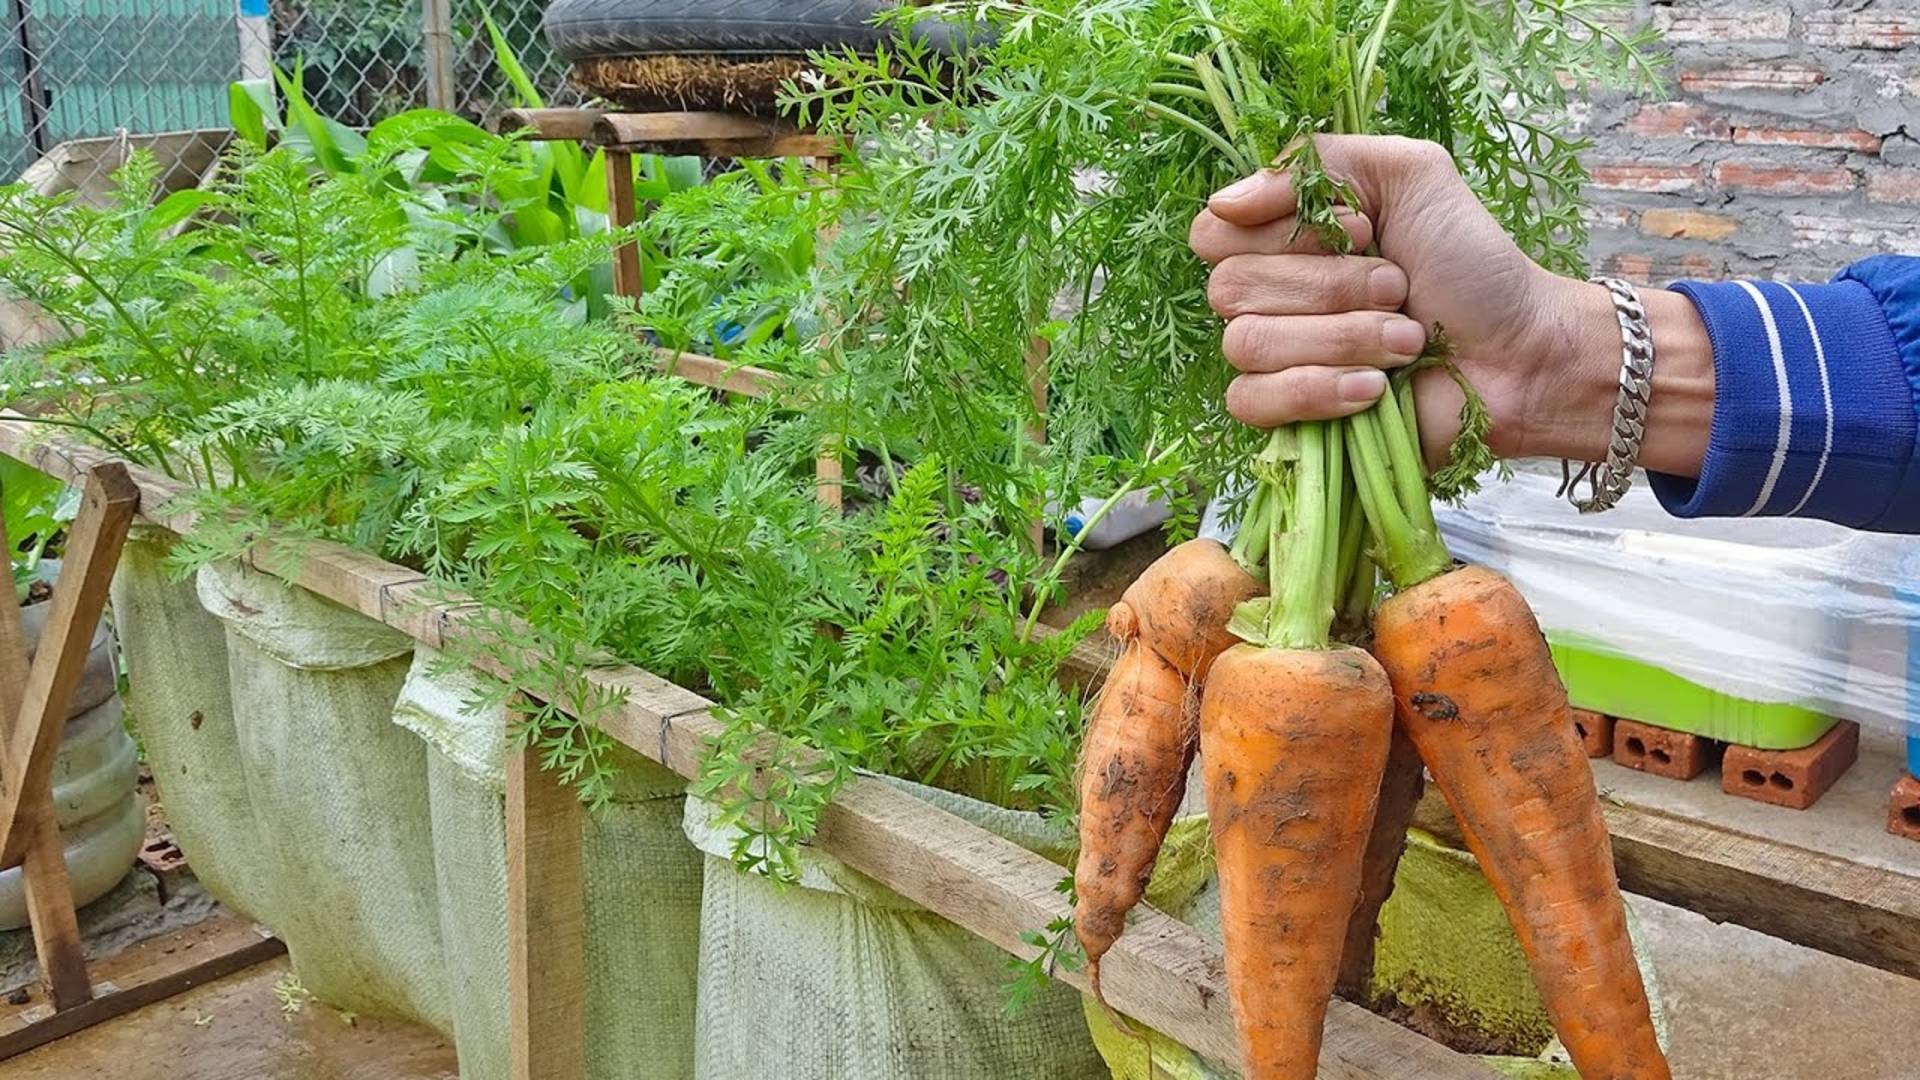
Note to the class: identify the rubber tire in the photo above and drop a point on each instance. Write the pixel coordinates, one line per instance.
(587, 29)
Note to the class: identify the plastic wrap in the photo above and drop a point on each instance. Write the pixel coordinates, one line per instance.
(1792, 612)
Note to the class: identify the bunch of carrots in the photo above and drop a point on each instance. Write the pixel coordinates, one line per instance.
(1313, 712)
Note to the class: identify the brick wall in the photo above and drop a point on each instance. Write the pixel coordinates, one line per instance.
(1787, 147)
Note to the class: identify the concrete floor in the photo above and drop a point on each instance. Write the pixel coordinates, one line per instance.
(234, 1029)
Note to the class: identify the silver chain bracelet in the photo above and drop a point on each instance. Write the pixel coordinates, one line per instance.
(1609, 478)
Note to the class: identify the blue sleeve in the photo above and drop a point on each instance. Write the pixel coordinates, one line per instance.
(1816, 408)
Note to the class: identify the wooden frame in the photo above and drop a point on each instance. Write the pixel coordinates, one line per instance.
(34, 700)
(1162, 972)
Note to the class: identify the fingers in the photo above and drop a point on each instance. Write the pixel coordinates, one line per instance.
(1304, 285)
(1269, 399)
(1215, 239)
(1265, 196)
(1258, 343)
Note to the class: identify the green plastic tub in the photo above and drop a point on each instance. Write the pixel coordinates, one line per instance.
(1632, 690)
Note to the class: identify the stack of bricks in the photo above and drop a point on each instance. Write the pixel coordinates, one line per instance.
(1788, 144)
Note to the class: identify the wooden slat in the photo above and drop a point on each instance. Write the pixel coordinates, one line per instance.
(56, 928)
(546, 925)
(107, 506)
(547, 125)
(711, 134)
(743, 379)
(151, 971)
(623, 211)
(1161, 971)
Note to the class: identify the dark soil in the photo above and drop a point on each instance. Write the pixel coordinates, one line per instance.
(1423, 1019)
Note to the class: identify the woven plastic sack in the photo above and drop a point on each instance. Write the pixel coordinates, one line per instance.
(840, 978)
(642, 890)
(1445, 951)
(175, 657)
(339, 795)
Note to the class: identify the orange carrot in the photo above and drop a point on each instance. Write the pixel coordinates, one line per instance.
(1141, 736)
(1293, 742)
(1180, 605)
(1139, 746)
(1476, 688)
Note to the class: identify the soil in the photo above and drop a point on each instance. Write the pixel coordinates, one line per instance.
(1424, 1019)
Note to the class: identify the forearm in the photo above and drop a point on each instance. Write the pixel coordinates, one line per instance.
(1768, 399)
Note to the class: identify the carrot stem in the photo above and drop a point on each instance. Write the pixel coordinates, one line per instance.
(1301, 613)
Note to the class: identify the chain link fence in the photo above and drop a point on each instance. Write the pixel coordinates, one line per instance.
(121, 69)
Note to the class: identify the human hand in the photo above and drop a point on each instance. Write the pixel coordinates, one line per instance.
(1310, 333)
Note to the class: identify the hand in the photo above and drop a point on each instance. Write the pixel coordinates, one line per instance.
(1310, 332)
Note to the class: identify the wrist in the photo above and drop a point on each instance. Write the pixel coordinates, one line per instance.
(1572, 415)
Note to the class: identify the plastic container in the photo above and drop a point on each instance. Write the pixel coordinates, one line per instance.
(1134, 514)
(1621, 686)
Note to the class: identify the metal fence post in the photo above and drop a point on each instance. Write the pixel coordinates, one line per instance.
(436, 27)
(256, 40)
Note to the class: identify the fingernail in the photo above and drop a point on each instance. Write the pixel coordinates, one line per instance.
(1361, 385)
(1241, 187)
(1403, 337)
(1387, 286)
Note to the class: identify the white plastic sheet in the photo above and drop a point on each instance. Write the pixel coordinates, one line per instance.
(1766, 609)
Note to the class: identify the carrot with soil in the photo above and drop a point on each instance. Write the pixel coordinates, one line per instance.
(1475, 687)
(1141, 738)
(1294, 736)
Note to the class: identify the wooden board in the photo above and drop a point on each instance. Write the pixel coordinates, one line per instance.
(710, 134)
(743, 379)
(1161, 971)
(623, 211)
(573, 125)
(546, 925)
(108, 502)
(150, 971)
(43, 872)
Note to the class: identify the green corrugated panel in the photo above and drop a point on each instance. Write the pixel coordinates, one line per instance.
(143, 65)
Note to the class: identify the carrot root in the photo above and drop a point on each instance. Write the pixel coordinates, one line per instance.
(1475, 686)
(1401, 785)
(1293, 743)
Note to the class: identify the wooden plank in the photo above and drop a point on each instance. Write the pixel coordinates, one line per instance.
(623, 210)
(550, 125)
(1868, 914)
(108, 502)
(1161, 971)
(151, 971)
(743, 379)
(711, 134)
(56, 928)
(546, 925)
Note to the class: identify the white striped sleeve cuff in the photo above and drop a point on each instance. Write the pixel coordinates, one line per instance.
(1813, 412)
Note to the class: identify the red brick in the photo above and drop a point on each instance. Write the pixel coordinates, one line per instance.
(1687, 224)
(1677, 118)
(1595, 730)
(1791, 778)
(1895, 186)
(1865, 142)
(1903, 809)
(1784, 179)
(1656, 178)
(1782, 77)
(1676, 755)
(1725, 23)
(1644, 269)
(1862, 29)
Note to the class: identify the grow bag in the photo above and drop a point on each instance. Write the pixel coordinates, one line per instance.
(94, 775)
(1446, 957)
(840, 978)
(177, 694)
(709, 54)
(344, 870)
(642, 889)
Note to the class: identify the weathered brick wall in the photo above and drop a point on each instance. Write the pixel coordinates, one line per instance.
(1788, 145)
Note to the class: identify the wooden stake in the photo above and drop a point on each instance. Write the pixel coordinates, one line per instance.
(623, 211)
(107, 506)
(1036, 357)
(829, 469)
(546, 924)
